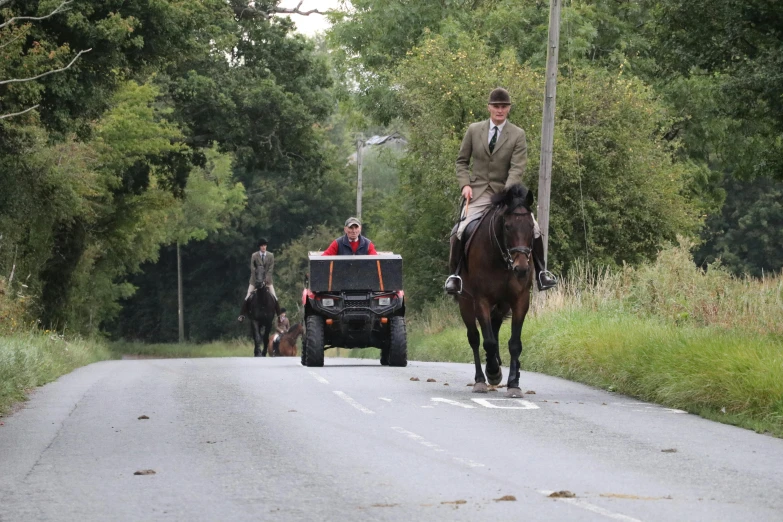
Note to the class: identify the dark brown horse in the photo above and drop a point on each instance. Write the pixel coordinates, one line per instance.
(497, 277)
(261, 311)
(287, 346)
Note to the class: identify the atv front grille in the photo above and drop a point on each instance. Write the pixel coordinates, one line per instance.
(357, 304)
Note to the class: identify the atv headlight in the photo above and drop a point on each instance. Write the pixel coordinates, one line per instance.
(327, 302)
(384, 301)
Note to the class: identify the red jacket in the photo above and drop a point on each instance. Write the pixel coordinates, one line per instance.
(334, 248)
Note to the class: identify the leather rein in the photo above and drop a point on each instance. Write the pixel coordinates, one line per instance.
(508, 253)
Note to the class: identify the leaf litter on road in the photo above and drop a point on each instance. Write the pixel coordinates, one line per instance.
(145, 472)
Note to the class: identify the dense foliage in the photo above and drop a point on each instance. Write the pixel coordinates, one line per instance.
(130, 129)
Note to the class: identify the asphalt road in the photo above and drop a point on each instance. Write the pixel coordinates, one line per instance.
(267, 439)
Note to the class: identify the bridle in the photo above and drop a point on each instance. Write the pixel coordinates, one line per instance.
(508, 253)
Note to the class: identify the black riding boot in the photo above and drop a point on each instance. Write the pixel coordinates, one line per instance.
(544, 278)
(454, 282)
(244, 312)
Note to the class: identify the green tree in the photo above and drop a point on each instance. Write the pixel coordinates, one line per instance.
(618, 195)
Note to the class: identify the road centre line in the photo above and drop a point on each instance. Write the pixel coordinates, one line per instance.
(424, 442)
(523, 404)
(318, 378)
(384, 399)
(418, 438)
(591, 507)
(353, 403)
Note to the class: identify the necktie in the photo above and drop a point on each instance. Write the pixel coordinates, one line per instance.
(263, 257)
(493, 140)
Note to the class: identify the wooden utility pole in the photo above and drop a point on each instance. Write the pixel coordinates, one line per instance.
(180, 310)
(548, 124)
(359, 146)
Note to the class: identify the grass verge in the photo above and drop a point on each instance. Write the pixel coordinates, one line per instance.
(234, 348)
(32, 359)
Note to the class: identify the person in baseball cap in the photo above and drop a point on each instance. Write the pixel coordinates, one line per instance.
(352, 243)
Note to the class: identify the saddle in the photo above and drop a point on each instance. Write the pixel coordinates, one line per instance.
(467, 234)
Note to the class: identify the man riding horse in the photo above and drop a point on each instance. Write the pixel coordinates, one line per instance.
(262, 264)
(499, 153)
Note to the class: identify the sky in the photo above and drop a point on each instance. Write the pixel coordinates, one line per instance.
(309, 25)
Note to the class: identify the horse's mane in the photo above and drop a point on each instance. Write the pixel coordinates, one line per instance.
(515, 196)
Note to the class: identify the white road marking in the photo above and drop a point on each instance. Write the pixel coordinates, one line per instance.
(418, 438)
(673, 410)
(454, 403)
(517, 404)
(591, 507)
(428, 406)
(468, 462)
(319, 378)
(352, 402)
(384, 399)
(646, 406)
(424, 442)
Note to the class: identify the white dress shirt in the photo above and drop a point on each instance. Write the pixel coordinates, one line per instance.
(492, 130)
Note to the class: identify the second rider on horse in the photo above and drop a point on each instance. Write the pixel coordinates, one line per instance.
(262, 264)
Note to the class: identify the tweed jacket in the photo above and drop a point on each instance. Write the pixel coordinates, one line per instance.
(491, 172)
(261, 271)
(283, 325)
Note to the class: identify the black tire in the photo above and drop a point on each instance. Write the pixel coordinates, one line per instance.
(313, 352)
(398, 348)
(384, 356)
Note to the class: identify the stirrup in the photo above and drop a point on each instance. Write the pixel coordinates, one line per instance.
(551, 276)
(455, 277)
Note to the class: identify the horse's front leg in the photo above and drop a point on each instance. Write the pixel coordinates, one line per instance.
(254, 328)
(494, 373)
(265, 340)
(469, 318)
(520, 309)
(497, 321)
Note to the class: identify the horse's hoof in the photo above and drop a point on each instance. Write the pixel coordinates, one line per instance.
(494, 380)
(513, 393)
(480, 387)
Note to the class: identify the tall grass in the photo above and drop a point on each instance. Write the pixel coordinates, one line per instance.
(29, 359)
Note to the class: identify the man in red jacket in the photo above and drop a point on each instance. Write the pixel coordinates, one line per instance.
(352, 243)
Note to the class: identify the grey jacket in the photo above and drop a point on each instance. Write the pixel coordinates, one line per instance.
(261, 271)
(491, 172)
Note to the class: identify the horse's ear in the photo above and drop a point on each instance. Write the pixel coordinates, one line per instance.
(529, 197)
